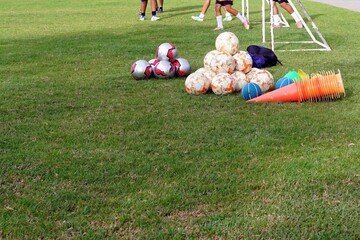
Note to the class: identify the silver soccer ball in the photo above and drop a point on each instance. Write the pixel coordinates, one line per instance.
(166, 51)
(164, 69)
(141, 69)
(183, 68)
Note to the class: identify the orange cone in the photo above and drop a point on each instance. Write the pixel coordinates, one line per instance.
(324, 86)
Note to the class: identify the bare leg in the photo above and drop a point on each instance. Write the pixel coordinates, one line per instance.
(205, 6)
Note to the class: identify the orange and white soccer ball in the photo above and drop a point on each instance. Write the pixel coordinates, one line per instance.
(240, 80)
(243, 61)
(219, 62)
(208, 73)
(197, 83)
(227, 42)
(262, 77)
(223, 84)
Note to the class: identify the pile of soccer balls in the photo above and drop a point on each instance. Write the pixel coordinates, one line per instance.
(165, 65)
(228, 69)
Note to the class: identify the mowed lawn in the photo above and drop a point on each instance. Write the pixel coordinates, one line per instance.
(87, 152)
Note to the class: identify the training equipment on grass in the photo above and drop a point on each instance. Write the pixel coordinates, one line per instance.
(302, 74)
(222, 84)
(250, 91)
(141, 69)
(323, 45)
(293, 75)
(182, 67)
(164, 69)
(239, 80)
(227, 42)
(243, 61)
(219, 62)
(324, 86)
(282, 82)
(166, 51)
(197, 83)
(261, 77)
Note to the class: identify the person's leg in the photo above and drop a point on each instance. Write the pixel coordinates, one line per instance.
(143, 4)
(236, 13)
(276, 18)
(218, 17)
(227, 17)
(160, 6)
(153, 11)
(201, 16)
(285, 5)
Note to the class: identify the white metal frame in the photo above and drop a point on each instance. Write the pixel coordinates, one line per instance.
(324, 46)
(245, 9)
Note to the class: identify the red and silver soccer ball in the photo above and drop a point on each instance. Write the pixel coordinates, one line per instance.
(164, 69)
(141, 69)
(166, 51)
(182, 66)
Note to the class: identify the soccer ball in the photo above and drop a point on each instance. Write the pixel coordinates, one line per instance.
(141, 69)
(219, 62)
(223, 84)
(182, 66)
(166, 51)
(282, 82)
(262, 77)
(250, 91)
(153, 62)
(208, 73)
(196, 83)
(239, 80)
(164, 69)
(243, 61)
(227, 42)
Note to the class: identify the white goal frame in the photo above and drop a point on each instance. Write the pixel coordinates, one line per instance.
(324, 46)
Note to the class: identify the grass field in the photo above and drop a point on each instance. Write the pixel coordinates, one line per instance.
(88, 152)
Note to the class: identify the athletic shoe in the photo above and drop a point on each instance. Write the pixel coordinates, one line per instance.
(246, 25)
(142, 18)
(299, 24)
(227, 19)
(197, 18)
(154, 18)
(218, 28)
(160, 10)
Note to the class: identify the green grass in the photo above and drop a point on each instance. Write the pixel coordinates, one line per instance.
(87, 152)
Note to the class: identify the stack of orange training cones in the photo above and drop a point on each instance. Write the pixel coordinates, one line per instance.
(320, 87)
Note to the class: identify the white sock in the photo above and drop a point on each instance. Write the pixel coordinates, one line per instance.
(201, 15)
(276, 19)
(242, 19)
(219, 21)
(295, 17)
(227, 14)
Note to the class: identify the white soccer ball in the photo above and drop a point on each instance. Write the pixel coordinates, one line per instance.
(262, 77)
(240, 80)
(208, 73)
(166, 51)
(141, 69)
(243, 61)
(196, 83)
(227, 42)
(223, 84)
(219, 62)
(182, 67)
(164, 69)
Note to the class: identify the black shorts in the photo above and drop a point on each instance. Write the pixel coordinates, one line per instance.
(281, 1)
(224, 3)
